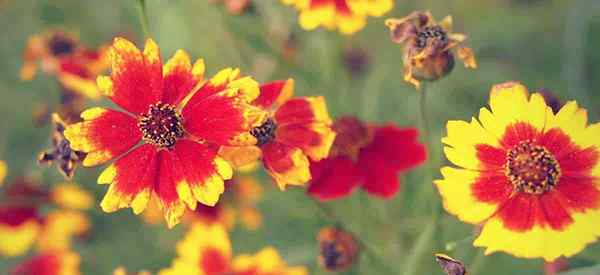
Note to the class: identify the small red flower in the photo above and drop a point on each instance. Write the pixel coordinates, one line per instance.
(49, 263)
(167, 135)
(368, 156)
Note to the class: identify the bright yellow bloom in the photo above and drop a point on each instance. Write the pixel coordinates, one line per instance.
(528, 175)
(72, 196)
(3, 169)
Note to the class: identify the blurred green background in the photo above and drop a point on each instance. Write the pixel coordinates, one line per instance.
(542, 43)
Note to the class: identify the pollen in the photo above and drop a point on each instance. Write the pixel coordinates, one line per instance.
(161, 126)
(432, 35)
(265, 132)
(532, 168)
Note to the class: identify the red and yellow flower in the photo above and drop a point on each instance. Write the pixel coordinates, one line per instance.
(19, 228)
(295, 131)
(206, 250)
(348, 16)
(167, 136)
(369, 156)
(61, 54)
(49, 263)
(527, 175)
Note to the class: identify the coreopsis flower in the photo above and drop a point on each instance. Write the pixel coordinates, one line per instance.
(122, 271)
(60, 227)
(49, 263)
(369, 156)
(61, 54)
(61, 152)
(295, 131)
(206, 250)
(338, 249)
(347, 16)
(19, 228)
(428, 45)
(3, 171)
(235, 7)
(71, 196)
(525, 174)
(450, 265)
(167, 135)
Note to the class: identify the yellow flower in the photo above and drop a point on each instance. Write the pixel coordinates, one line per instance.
(19, 228)
(427, 46)
(3, 169)
(527, 175)
(60, 226)
(347, 16)
(71, 196)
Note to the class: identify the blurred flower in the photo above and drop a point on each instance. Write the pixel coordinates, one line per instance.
(235, 7)
(122, 271)
(294, 131)
(71, 196)
(369, 156)
(180, 130)
(19, 228)
(206, 250)
(526, 174)
(427, 46)
(338, 249)
(62, 55)
(450, 265)
(3, 172)
(59, 228)
(356, 61)
(49, 263)
(348, 16)
(61, 152)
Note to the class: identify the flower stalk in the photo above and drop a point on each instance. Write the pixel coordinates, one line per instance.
(143, 16)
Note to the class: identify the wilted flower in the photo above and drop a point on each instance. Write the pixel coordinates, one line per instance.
(61, 262)
(235, 7)
(370, 156)
(428, 45)
(61, 152)
(180, 130)
(347, 16)
(338, 249)
(356, 61)
(294, 131)
(206, 250)
(450, 265)
(62, 55)
(526, 174)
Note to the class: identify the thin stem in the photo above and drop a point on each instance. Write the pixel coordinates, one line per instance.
(368, 250)
(143, 17)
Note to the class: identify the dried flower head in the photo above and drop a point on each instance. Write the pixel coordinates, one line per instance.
(338, 249)
(428, 45)
(450, 265)
(61, 152)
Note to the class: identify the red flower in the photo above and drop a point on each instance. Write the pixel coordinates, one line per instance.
(367, 156)
(180, 131)
(49, 263)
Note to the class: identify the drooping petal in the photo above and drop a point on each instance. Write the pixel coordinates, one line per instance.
(380, 178)
(315, 139)
(132, 179)
(287, 165)
(274, 93)
(136, 80)
(303, 110)
(333, 178)
(104, 134)
(398, 147)
(180, 77)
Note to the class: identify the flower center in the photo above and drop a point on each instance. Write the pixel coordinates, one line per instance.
(265, 132)
(532, 168)
(331, 255)
(161, 125)
(435, 34)
(60, 44)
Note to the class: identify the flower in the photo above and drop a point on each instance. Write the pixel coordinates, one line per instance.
(61, 152)
(339, 250)
(19, 228)
(180, 130)
(62, 55)
(450, 265)
(370, 156)
(427, 46)
(3, 171)
(71, 196)
(294, 131)
(50, 263)
(60, 227)
(122, 271)
(206, 250)
(235, 7)
(527, 175)
(348, 16)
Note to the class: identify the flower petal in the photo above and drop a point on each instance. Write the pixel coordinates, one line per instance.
(399, 147)
(286, 164)
(333, 178)
(303, 110)
(274, 93)
(104, 134)
(379, 176)
(165, 188)
(180, 77)
(315, 139)
(462, 138)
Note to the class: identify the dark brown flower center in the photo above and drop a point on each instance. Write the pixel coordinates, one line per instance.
(532, 168)
(59, 44)
(162, 125)
(265, 132)
(332, 255)
(432, 35)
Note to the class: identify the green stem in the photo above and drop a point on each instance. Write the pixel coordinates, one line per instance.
(143, 17)
(367, 248)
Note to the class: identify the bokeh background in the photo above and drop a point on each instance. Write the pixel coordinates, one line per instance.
(549, 44)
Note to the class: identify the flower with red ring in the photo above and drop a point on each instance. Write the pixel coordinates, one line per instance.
(19, 228)
(364, 155)
(295, 131)
(527, 175)
(167, 136)
(49, 263)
